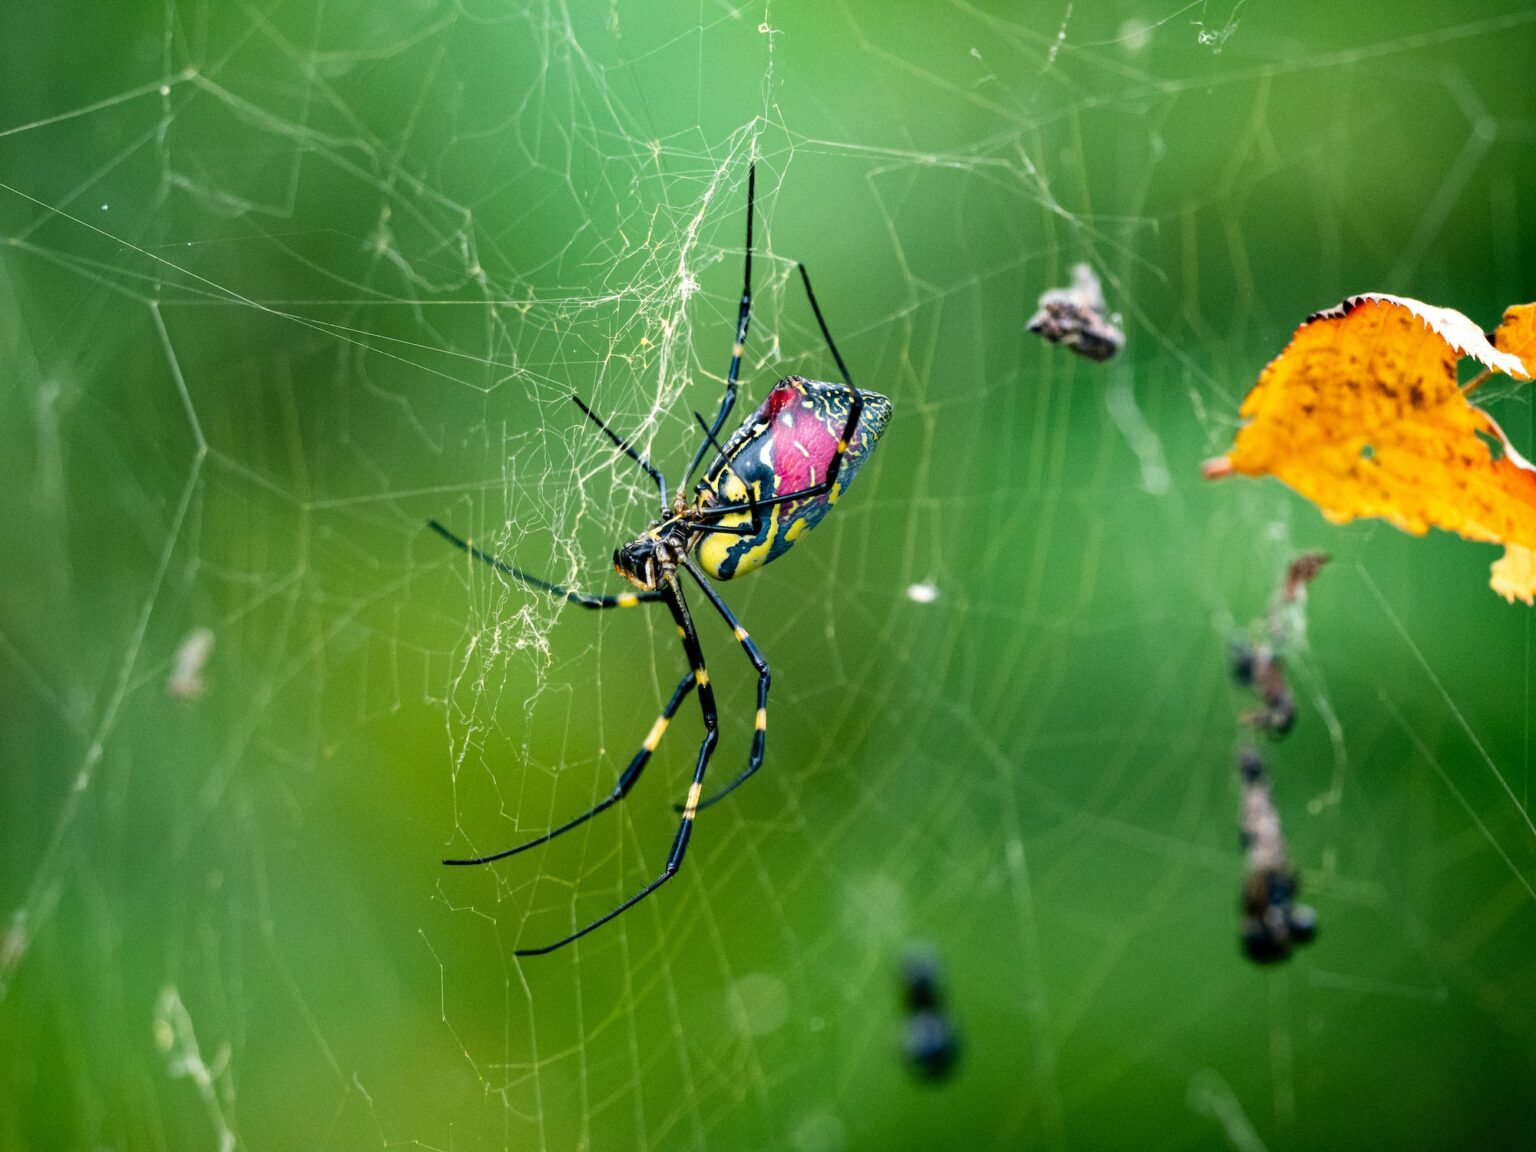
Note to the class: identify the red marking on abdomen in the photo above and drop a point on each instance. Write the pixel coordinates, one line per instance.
(802, 451)
(780, 398)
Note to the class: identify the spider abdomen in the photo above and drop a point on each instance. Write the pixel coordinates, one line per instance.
(785, 446)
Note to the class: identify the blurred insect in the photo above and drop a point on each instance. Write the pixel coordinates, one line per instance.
(1074, 317)
(1260, 664)
(928, 1037)
(774, 480)
(186, 681)
(1272, 920)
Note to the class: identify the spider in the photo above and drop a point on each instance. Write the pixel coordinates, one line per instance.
(775, 479)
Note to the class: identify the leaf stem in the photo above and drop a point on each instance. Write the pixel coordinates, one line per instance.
(1476, 382)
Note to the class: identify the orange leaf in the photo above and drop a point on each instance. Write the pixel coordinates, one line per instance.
(1517, 335)
(1514, 574)
(1363, 416)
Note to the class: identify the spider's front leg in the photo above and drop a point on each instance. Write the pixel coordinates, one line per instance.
(743, 318)
(626, 782)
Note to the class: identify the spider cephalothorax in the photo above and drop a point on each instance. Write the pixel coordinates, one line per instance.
(774, 479)
(650, 558)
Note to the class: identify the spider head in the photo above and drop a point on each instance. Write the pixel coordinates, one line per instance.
(648, 559)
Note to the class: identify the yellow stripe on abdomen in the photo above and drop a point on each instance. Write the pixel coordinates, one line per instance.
(720, 551)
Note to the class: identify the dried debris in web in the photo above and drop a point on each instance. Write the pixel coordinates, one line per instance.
(1074, 317)
(1273, 923)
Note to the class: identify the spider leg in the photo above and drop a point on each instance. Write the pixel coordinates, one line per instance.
(650, 469)
(743, 317)
(826, 333)
(673, 595)
(755, 525)
(755, 655)
(855, 410)
(622, 600)
(620, 790)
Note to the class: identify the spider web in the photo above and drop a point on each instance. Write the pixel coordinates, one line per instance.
(280, 283)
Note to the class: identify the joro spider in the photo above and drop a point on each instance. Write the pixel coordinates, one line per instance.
(775, 479)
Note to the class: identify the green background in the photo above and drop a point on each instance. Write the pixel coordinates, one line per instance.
(281, 281)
